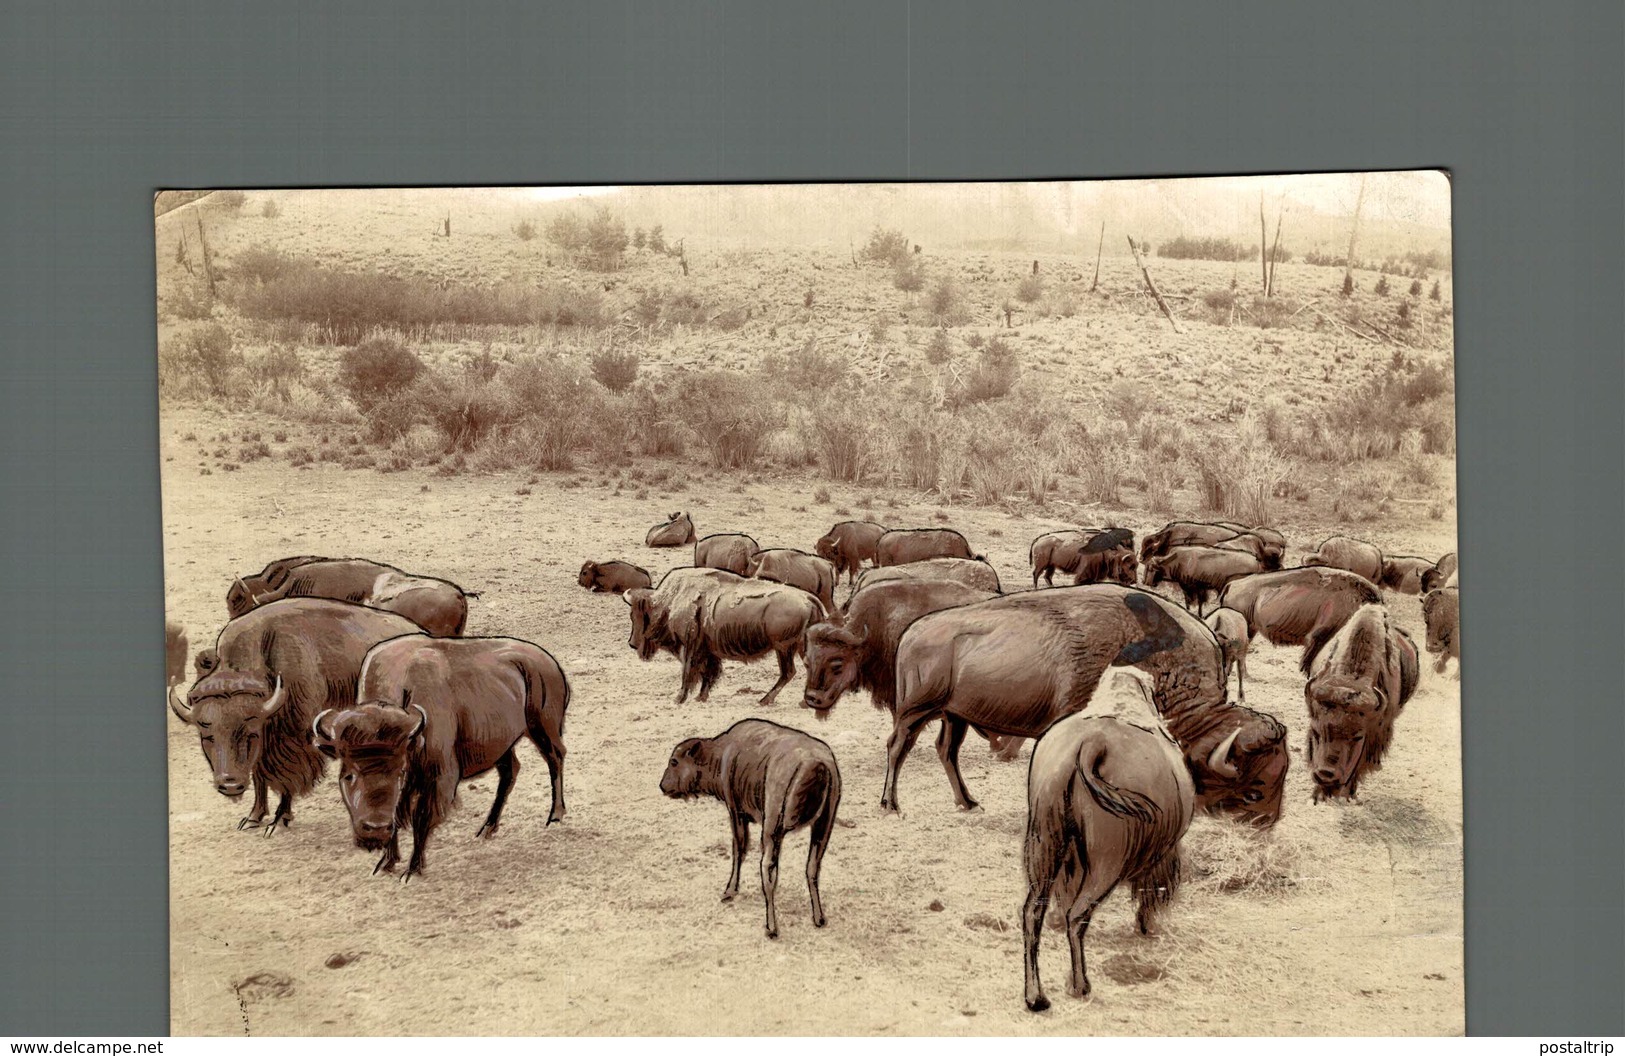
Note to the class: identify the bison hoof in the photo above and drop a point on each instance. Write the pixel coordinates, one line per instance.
(773, 933)
(972, 807)
(1037, 1004)
(728, 896)
(486, 832)
(820, 920)
(557, 815)
(250, 823)
(385, 864)
(272, 827)
(407, 877)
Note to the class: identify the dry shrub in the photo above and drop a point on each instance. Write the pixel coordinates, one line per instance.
(728, 415)
(914, 445)
(1363, 492)
(1103, 461)
(464, 408)
(1240, 475)
(1161, 478)
(846, 436)
(1126, 401)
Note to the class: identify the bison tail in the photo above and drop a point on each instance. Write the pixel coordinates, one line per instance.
(1123, 802)
(471, 593)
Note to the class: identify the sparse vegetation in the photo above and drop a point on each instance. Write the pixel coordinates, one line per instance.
(615, 371)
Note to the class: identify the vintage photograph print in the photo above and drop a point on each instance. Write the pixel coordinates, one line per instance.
(871, 609)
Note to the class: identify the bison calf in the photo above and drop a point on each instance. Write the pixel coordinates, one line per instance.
(612, 577)
(1230, 628)
(780, 778)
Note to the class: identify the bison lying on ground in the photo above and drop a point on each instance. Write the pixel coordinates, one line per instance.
(731, 552)
(1355, 555)
(1441, 610)
(796, 568)
(1108, 800)
(676, 530)
(1091, 555)
(1404, 574)
(430, 713)
(1230, 628)
(1298, 606)
(902, 545)
(612, 577)
(269, 673)
(1198, 571)
(780, 778)
(436, 605)
(1439, 575)
(705, 615)
(1358, 684)
(848, 545)
(175, 646)
(977, 574)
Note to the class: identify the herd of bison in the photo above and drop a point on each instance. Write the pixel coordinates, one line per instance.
(1125, 690)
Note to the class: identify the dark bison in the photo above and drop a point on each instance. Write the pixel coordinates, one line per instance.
(731, 552)
(1441, 611)
(1230, 628)
(1107, 802)
(1091, 555)
(782, 779)
(1199, 571)
(1298, 606)
(1016, 664)
(436, 605)
(1437, 576)
(1358, 683)
(269, 673)
(612, 577)
(676, 530)
(858, 650)
(705, 615)
(848, 545)
(430, 713)
(1404, 574)
(175, 646)
(1355, 555)
(902, 545)
(796, 568)
(1266, 544)
(977, 574)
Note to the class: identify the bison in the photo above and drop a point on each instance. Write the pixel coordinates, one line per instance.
(1266, 544)
(676, 530)
(705, 615)
(902, 545)
(175, 646)
(612, 577)
(270, 671)
(1358, 684)
(979, 575)
(848, 545)
(1091, 555)
(1230, 628)
(1015, 664)
(1198, 571)
(1298, 606)
(433, 712)
(436, 605)
(780, 778)
(1108, 800)
(796, 568)
(1440, 573)
(1404, 574)
(1355, 555)
(1441, 611)
(731, 552)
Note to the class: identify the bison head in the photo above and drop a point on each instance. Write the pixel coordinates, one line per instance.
(646, 636)
(373, 744)
(1344, 715)
(1124, 567)
(1151, 571)
(229, 710)
(244, 596)
(1439, 611)
(826, 549)
(1244, 775)
(683, 773)
(833, 662)
(589, 575)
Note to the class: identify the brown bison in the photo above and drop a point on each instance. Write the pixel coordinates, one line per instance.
(796, 568)
(1358, 684)
(269, 673)
(848, 545)
(1440, 573)
(731, 552)
(902, 545)
(705, 615)
(1108, 800)
(780, 778)
(1199, 571)
(433, 712)
(612, 577)
(175, 646)
(676, 530)
(1266, 544)
(1404, 574)
(1298, 606)
(1230, 628)
(1441, 610)
(1092, 555)
(978, 575)
(1016, 664)
(1355, 555)
(436, 605)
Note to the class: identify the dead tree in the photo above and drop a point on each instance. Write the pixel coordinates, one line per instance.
(1152, 286)
(1263, 247)
(203, 253)
(1275, 248)
(1354, 237)
(1093, 286)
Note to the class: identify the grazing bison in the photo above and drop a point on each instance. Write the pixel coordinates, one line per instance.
(1266, 544)
(1268, 558)
(978, 574)
(1441, 610)
(1358, 683)
(269, 673)
(1016, 664)
(848, 545)
(430, 713)
(902, 545)
(731, 552)
(1230, 628)
(1198, 571)
(1362, 558)
(705, 615)
(1089, 554)
(1298, 606)
(676, 530)
(1439, 575)
(436, 605)
(796, 568)
(612, 577)
(780, 778)
(175, 646)
(1108, 800)
(1404, 574)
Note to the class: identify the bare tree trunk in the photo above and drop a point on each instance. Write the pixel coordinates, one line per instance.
(1275, 249)
(203, 252)
(448, 225)
(1100, 246)
(1354, 237)
(1152, 286)
(1263, 247)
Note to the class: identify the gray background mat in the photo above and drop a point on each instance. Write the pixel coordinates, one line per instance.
(102, 103)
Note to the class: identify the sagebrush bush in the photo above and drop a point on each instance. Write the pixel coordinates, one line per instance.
(615, 371)
(939, 349)
(886, 246)
(802, 374)
(845, 434)
(1126, 401)
(464, 408)
(1030, 289)
(270, 210)
(190, 301)
(525, 230)
(233, 200)
(727, 414)
(202, 357)
(997, 368)
(376, 371)
(946, 303)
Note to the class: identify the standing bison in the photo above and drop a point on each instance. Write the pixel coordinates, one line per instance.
(1199, 571)
(796, 568)
(433, 712)
(1355, 555)
(731, 552)
(612, 577)
(1358, 684)
(977, 574)
(902, 545)
(267, 676)
(436, 605)
(1230, 628)
(175, 646)
(1090, 555)
(1298, 606)
(676, 530)
(848, 545)
(1441, 611)
(1266, 544)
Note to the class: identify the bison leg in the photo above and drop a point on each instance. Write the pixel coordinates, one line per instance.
(507, 771)
(283, 815)
(690, 660)
(423, 817)
(772, 837)
(710, 671)
(1042, 859)
(1077, 925)
(898, 745)
(256, 813)
(822, 826)
(1241, 677)
(787, 671)
(741, 831)
(949, 740)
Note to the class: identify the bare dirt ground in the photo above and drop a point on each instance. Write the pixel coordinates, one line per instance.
(1346, 920)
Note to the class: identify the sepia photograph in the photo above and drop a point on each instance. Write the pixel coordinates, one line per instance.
(873, 609)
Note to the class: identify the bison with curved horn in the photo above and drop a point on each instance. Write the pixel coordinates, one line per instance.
(730, 551)
(1298, 606)
(848, 545)
(436, 605)
(902, 545)
(976, 574)
(675, 530)
(796, 568)
(1358, 684)
(267, 676)
(1354, 555)
(1090, 555)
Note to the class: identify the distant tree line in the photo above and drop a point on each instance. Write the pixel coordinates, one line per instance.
(1183, 248)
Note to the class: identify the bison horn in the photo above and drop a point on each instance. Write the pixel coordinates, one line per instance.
(423, 720)
(1219, 762)
(316, 734)
(274, 701)
(178, 705)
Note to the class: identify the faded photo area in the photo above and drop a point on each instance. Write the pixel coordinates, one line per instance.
(877, 609)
